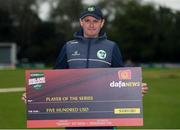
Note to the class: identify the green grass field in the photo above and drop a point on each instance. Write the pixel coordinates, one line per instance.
(161, 104)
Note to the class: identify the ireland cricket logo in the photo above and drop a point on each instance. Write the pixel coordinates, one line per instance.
(91, 9)
(101, 54)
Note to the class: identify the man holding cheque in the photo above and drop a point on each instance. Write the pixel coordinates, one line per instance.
(91, 49)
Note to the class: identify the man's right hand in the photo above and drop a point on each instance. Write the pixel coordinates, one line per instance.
(24, 97)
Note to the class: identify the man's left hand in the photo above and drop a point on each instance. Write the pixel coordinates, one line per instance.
(144, 88)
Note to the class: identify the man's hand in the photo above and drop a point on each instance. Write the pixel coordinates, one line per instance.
(24, 97)
(144, 88)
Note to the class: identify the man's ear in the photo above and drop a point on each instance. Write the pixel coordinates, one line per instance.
(80, 22)
(102, 23)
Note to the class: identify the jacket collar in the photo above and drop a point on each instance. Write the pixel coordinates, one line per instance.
(79, 35)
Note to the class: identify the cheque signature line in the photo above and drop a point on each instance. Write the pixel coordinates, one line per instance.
(72, 112)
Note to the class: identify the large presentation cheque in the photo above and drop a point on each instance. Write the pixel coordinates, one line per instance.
(84, 97)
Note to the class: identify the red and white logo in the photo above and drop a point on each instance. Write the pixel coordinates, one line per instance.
(124, 74)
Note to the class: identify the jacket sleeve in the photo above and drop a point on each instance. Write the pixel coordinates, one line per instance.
(61, 62)
(116, 57)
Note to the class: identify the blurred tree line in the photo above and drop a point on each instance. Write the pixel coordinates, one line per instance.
(144, 33)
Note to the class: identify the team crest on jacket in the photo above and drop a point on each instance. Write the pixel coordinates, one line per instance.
(101, 54)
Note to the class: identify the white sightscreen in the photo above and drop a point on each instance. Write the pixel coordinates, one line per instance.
(7, 54)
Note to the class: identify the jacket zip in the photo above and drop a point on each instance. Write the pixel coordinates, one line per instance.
(88, 51)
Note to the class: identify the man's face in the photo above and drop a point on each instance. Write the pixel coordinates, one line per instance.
(91, 26)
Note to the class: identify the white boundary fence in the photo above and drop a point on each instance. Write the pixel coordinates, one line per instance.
(5, 90)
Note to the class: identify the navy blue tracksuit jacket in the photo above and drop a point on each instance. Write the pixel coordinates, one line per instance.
(89, 53)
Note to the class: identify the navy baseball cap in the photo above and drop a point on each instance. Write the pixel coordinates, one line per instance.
(92, 11)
